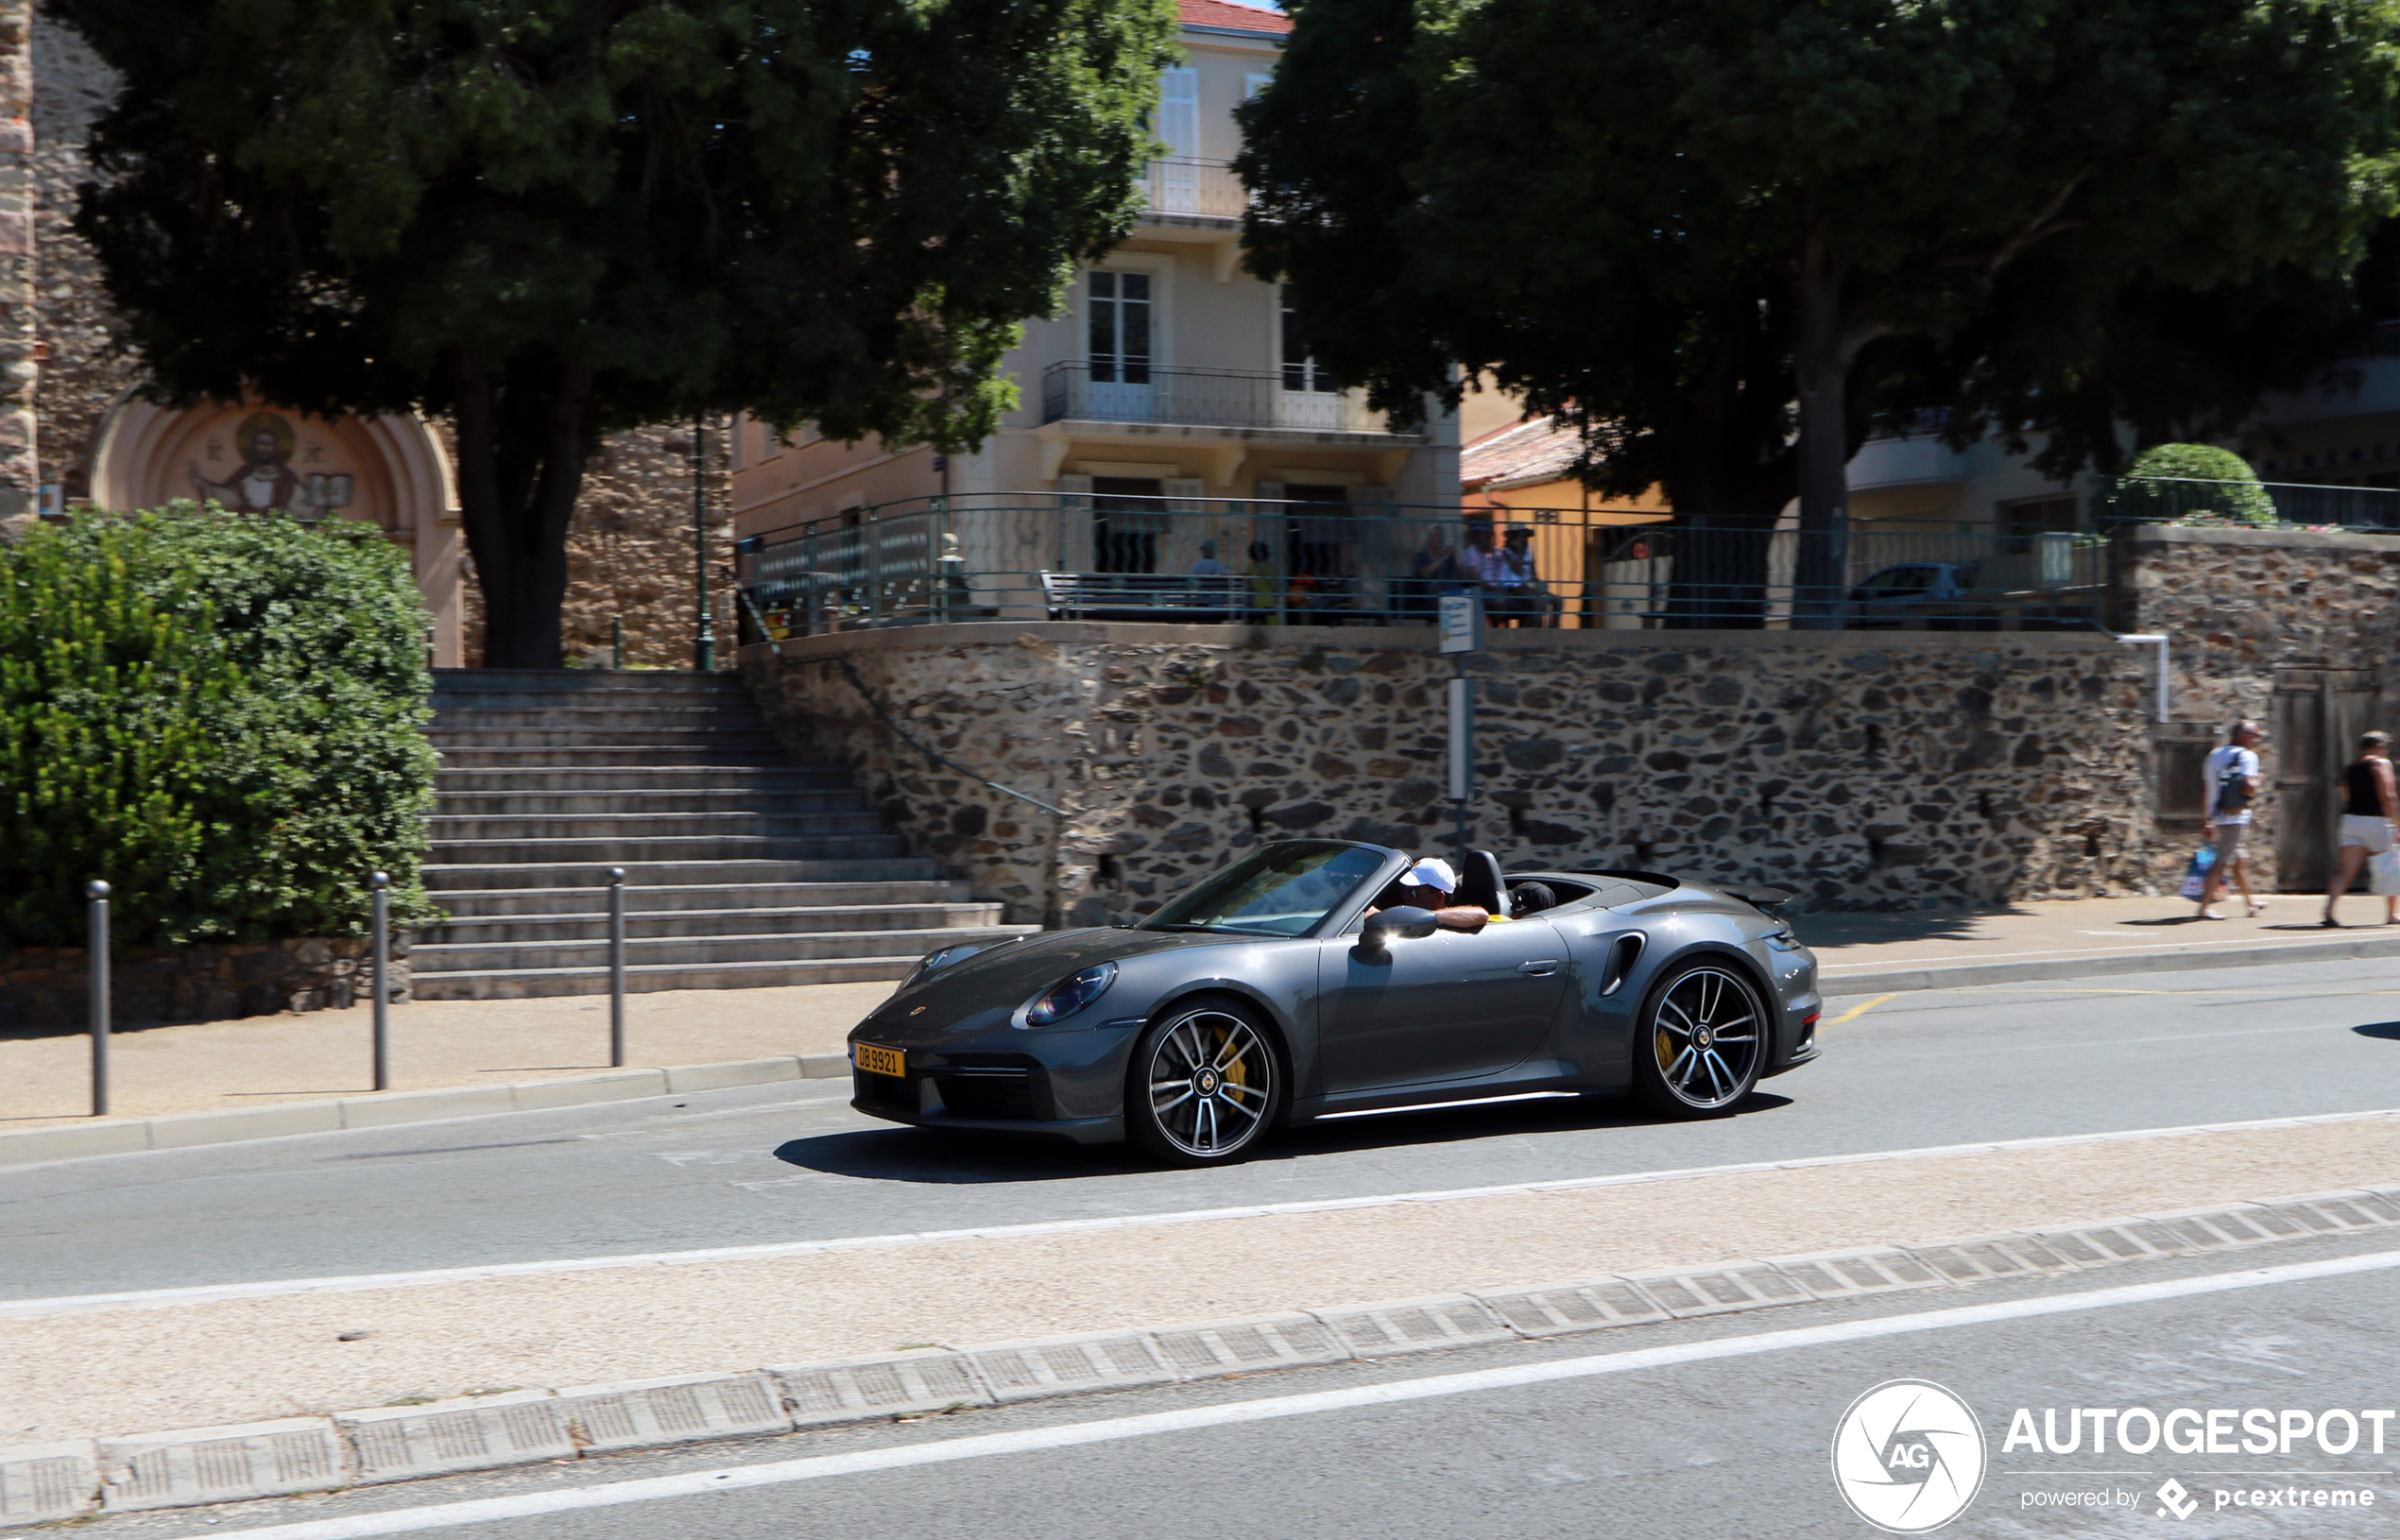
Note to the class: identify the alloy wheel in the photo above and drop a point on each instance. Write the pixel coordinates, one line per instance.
(1211, 1083)
(1706, 1034)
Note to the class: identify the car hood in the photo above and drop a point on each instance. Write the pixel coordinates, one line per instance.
(997, 981)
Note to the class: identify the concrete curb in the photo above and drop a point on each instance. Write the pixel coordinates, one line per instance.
(185, 1130)
(1895, 980)
(392, 1109)
(203, 1465)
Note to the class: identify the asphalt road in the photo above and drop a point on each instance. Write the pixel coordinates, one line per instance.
(775, 1163)
(1735, 1440)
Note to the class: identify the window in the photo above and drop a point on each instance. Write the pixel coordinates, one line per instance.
(2043, 516)
(1118, 315)
(1300, 371)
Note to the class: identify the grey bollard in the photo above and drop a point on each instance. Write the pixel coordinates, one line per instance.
(99, 942)
(616, 968)
(379, 976)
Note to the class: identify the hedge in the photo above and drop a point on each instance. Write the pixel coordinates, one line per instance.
(2191, 483)
(222, 715)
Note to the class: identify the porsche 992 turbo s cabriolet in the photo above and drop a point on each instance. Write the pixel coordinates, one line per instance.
(1297, 985)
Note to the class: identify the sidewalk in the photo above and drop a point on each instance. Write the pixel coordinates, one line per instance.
(443, 1044)
(217, 1066)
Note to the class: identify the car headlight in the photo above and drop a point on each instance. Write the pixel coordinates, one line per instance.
(941, 959)
(1783, 941)
(1070, 994)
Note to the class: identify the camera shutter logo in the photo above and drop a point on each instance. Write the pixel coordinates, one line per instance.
(1907, 1456)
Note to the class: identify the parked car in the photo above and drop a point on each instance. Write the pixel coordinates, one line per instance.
(1268, 996)
(1962, 596)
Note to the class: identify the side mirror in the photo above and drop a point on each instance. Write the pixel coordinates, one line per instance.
(1381, 926)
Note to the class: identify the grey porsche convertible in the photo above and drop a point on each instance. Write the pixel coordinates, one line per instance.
(1297, 985)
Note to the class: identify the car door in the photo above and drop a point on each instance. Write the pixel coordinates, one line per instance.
(1446, 1006)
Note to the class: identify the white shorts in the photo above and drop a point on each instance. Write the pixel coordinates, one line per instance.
(2371, 834)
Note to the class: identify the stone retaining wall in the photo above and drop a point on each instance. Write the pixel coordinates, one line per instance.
(49, 986)
(1864, 771)
(2256, 616)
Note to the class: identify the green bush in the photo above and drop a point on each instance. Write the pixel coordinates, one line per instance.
(223, 715)
(2191, 483)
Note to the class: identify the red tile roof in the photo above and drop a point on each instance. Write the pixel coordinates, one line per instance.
(1238, 18)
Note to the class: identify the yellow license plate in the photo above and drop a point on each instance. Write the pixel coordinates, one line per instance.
(880, 1061)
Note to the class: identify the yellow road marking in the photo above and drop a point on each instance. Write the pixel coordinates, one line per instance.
(1856, 1011)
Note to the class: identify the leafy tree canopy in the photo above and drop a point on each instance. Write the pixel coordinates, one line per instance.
(553, 218)
(1576, 194)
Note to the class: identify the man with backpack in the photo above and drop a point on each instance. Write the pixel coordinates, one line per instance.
(2230, 782)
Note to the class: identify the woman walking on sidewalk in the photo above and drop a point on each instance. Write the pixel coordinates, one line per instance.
(2368, 812)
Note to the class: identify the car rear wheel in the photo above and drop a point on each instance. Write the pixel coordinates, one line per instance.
(1703, 1041)
(1205, 1085)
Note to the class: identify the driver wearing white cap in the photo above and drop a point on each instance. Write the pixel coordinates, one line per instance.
(1429, 885)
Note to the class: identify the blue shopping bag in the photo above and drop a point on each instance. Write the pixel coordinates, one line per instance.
(2195, 875)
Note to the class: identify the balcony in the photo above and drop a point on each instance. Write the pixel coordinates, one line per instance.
(1916, 460)
(1209, 398)
(1192, 190)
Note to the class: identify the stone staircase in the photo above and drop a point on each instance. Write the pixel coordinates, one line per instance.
(741, 869)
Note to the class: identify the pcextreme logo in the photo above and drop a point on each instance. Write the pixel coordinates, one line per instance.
(1907, 1456)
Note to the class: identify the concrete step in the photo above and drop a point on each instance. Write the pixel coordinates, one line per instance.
(446, 877)
(751, 739)
(661, 756)
(540, 983)
(863, 847)
(613, 779)
(627, 802)
(754, 897)
(502, 956)
(729, 717)
(477, 828)
(511, 680)
(523, 929)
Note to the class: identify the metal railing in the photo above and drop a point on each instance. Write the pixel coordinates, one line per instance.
(2158, 500)
(1201, 398)
(1203, 189)
(1021, 557)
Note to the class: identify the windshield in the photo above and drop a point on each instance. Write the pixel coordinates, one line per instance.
(1282, 890)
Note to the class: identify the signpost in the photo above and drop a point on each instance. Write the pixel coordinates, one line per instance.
(1462, 632)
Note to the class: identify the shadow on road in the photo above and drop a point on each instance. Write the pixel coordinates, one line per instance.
(2387, 1031)
(968, 1157)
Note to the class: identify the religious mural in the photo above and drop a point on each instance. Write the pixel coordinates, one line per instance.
(248, 468)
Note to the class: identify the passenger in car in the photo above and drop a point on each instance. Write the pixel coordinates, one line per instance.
(1531, 898)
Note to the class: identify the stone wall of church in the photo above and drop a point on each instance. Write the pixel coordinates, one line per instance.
(80, 377)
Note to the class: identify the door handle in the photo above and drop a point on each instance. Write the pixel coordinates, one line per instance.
(1539, 968)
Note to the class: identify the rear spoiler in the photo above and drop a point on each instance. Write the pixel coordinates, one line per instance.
(1766, 900)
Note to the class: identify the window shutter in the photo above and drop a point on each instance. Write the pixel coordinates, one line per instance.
(1253, 84)
(1186, 494)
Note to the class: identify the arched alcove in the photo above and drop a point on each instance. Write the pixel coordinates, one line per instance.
(390, 471)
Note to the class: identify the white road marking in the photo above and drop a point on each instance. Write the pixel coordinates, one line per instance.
(1113, 1430)
(205, 1293)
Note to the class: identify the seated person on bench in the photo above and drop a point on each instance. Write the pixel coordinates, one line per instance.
(1429, 885)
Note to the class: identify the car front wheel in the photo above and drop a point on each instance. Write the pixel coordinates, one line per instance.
(1703, 1041)
(1205, 1085)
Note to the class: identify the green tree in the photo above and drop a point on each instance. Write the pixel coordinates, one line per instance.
(1565, 181)
(548, 219)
